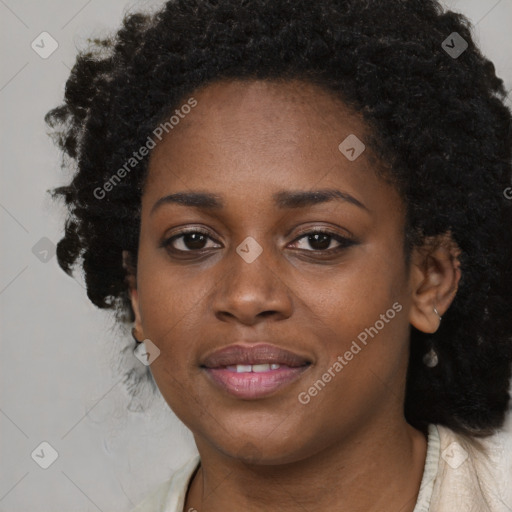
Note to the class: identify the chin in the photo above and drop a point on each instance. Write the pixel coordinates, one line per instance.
(263, 452)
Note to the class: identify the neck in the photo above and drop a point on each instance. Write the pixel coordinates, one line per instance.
(372, 470)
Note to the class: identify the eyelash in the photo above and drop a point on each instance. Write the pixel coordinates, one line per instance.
(343, 241)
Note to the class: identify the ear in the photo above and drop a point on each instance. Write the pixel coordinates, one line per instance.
(131, 281)
(435, 275)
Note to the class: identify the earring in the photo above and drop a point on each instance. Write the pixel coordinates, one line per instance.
(134, 337)
(431, 359)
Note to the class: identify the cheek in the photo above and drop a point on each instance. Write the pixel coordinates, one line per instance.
(354, 298)
(168, 302)
(169, 319)
(362, 325)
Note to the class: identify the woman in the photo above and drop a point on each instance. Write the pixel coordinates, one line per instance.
(302, 208)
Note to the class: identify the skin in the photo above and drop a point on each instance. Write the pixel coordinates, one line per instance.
(350, 447)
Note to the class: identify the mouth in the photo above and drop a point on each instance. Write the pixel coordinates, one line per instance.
(254, 368)
(252, 372)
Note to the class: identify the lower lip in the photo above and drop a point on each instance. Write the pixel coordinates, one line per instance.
(253, 385)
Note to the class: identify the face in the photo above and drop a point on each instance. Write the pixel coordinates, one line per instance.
(281, 315)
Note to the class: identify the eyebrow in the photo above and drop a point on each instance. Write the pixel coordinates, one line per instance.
(283, 199)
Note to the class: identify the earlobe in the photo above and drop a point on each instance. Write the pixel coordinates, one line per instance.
(131, 282)
(435, 275)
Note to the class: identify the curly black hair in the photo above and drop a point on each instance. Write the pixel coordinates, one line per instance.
(438, 120)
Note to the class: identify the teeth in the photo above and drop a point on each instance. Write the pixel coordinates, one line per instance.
(260, 367)
(256, 368)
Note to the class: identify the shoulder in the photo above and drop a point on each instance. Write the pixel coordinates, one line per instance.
(474, 474)
(169, 496)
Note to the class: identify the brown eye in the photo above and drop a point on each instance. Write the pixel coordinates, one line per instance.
(321, 241)
(188, 241)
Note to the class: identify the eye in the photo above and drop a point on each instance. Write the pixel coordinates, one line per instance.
(187, 241)
(321, 241)
(196, 239)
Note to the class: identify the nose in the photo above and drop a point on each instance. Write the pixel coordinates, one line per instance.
(252, 290)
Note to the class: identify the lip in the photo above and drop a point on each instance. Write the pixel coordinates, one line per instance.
(251, 385)
(261, 353)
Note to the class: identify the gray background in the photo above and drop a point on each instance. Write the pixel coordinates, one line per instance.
(58, 377)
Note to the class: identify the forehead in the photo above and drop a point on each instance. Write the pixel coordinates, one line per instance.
(249, 141)
(266, 124)
(270, 106)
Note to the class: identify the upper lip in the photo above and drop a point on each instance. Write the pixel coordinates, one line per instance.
(261, 353)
